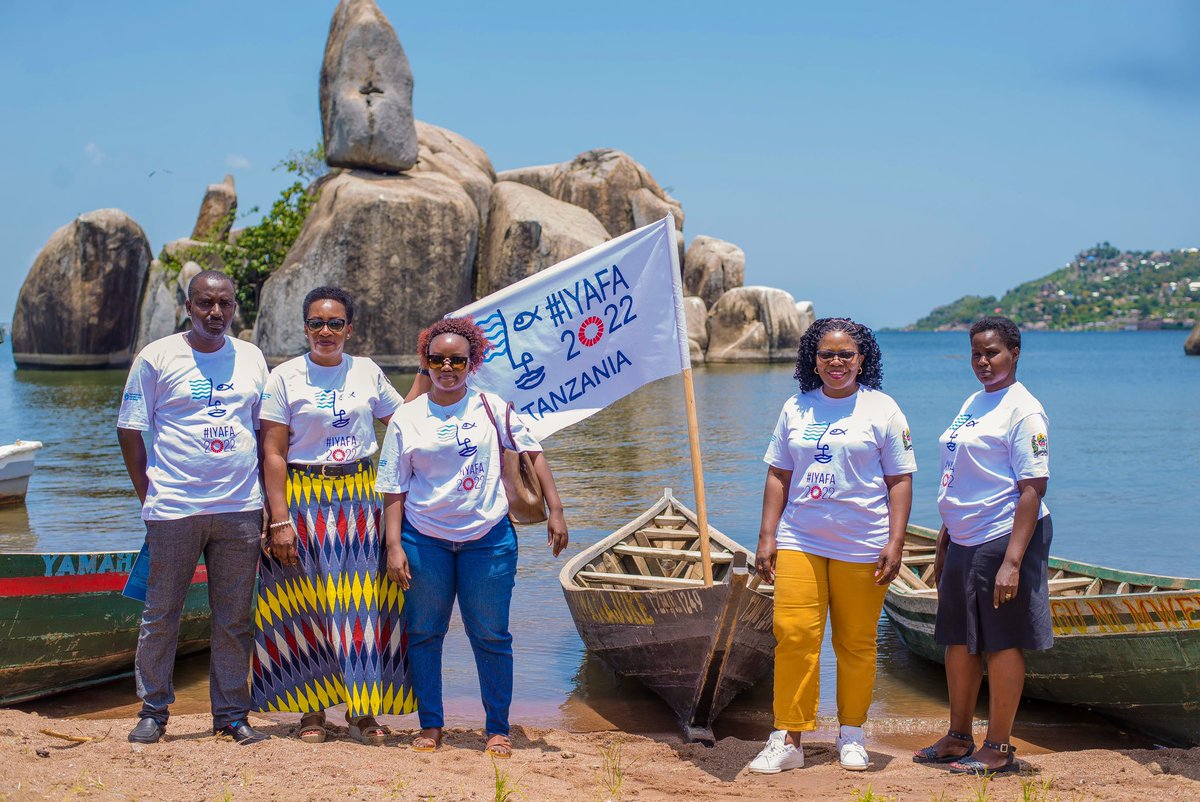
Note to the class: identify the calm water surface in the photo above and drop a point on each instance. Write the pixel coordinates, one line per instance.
(1124, 443)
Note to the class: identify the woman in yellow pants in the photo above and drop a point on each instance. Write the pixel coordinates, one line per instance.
(835, 506)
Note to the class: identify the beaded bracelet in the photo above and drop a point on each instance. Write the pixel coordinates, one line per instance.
(278, 524)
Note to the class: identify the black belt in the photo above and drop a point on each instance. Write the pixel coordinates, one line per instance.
(343, 469)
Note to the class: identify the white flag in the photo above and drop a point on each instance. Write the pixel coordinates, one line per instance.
(573, 338)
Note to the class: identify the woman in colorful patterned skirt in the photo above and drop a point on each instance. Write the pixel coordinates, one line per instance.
(328, 625)
(448, 534)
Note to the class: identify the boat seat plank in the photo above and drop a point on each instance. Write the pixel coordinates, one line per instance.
(633, 580)
(910, 576)
(669, 554)
(920, 559)
(1069, 583)
(655, 532)
(645, 567)
(667, 521)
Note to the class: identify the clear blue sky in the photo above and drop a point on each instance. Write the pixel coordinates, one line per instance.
(876, 158)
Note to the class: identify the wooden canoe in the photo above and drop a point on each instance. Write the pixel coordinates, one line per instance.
(640, 604)
(1126, 645)
(65, 625)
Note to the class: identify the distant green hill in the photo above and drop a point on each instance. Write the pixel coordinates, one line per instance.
(1102, 288)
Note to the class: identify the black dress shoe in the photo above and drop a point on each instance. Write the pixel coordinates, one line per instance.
(147, 731)
(242, 732)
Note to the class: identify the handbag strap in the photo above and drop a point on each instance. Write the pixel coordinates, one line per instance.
(487, 406)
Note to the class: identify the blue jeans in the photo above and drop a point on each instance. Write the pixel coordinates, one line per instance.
(482, 574)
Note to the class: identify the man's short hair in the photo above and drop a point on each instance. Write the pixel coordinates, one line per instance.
(205, 275)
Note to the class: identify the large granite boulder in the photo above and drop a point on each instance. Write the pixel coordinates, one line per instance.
(403, 245)
(366, 92)
(78, 307)
(443, 151)
(215, 219)
(712, 267)
(649, 208)
(808, 315)
(1192, 345)
(162, 312)
(186, 249)
(754, 324)
(695, 316)
(605, 182)
(529, 231)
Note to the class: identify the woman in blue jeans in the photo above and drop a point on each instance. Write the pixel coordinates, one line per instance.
(448, 534)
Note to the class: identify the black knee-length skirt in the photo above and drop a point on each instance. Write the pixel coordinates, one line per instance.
(966, 613)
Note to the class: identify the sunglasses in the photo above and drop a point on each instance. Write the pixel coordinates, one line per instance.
(456, 362)
(828, 356)
(315, 324)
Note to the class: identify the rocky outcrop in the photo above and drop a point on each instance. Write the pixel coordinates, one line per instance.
(712, 267)
(215, 219)
(366, 92)
(649, 208)
(443, 151)
(808, 315)
(754, 324)
(538, 177)
(529, 231)
(1192, 345)
(607, 183)
(191, 250)
(695, 315)
(162, 310)
(404, 245)
(78, 307)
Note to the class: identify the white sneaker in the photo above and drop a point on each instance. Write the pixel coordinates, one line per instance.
(852, 749)
(778, 755)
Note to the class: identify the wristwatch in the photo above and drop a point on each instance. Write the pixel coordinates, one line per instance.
(422, 371)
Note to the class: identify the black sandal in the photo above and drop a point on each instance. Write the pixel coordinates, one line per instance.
(981, 769)
(929, 754)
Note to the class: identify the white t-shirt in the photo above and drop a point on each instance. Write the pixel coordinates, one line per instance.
(201, 410)
(447, 460)
(839, 450)
(997, 439)
(330, 411)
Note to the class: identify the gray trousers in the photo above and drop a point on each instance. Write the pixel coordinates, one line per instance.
(230, 544)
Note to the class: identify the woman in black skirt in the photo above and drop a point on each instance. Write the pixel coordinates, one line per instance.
(992, 551)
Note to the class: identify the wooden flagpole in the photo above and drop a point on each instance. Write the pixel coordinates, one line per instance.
(689, 397)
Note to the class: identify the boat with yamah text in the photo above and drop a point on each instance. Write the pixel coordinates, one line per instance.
(641, 604)
(1126, 645)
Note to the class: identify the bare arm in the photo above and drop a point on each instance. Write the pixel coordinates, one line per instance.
(899, 506)
(774, 500)
(133, 451)
(421, 384)
(393, 518)
(556, 525)
(281, 539)
(1024, 522)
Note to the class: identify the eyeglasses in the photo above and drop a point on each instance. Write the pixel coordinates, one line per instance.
(315, 324)
(829, 356)
(456, 362)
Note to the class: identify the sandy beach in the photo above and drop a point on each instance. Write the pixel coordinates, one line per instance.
(548, 764)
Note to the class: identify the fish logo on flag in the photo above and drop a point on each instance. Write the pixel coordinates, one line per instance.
(574, 338)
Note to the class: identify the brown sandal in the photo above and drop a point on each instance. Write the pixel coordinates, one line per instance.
(499, 746)
(366, 730)
(427, 743)
(312, 728)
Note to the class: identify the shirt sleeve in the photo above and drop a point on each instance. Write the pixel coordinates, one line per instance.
(273, 405)
(896, 452)
(522, 438)
(778, 454)
(137, 402)
(395, 468)
(388, 397)
(1029, 447)
(263, 376)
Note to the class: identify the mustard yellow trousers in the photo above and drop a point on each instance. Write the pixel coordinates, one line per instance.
(808, 589)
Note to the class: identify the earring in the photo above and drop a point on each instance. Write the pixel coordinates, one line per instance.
(816, 371)
(860, 371)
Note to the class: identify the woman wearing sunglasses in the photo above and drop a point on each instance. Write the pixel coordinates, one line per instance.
(448, 535)
(992, 551)
(328, 620)
(835, 507)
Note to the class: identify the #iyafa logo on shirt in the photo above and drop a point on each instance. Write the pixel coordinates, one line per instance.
(1040, 445)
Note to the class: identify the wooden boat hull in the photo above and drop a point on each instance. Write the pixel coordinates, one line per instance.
(16, 466)
(65, 625)
(1134, 657)
(696, 647)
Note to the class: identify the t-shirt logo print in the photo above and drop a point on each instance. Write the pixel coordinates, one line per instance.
(449, 430)
(202, 390)
(813, 433)
(955, 425)
(1041, 446)
(327, 399)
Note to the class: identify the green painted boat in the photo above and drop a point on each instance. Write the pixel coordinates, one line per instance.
(65, 625)
(1126, 645)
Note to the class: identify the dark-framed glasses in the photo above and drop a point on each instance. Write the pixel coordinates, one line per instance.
(829, 356)
(456, 362)
(315, 324)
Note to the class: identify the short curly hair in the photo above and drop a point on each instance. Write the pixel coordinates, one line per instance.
(864, 338)
(1008, 331)
(330, 294)
(464, 327)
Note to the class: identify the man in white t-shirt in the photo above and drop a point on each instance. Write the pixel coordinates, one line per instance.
(197, 394)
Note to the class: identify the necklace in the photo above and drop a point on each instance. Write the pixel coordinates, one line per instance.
(454, 410)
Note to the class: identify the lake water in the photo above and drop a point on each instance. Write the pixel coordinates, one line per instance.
(1124, 492)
